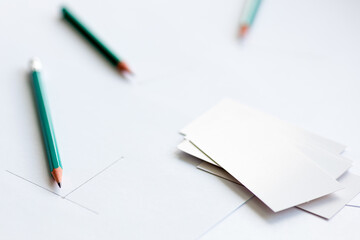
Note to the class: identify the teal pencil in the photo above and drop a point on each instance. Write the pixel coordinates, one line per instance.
(88, 35)
(248, 15)
(47, 128)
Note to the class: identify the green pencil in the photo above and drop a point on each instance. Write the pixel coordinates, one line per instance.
(85, 32)
(47, 128)
(248, 15)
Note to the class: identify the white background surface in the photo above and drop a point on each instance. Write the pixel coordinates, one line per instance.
(299, 63)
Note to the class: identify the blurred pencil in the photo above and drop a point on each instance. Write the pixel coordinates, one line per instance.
(85, 32)
(248, 15)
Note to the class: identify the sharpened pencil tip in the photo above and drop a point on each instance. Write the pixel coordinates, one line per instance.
(124, 68)
(243, 30)
(35, 64)
(59, 184)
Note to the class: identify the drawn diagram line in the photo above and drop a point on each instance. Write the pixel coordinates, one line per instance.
(223, 219)
(349, 205)
(97, 174)
(65, 197)
(27, 180)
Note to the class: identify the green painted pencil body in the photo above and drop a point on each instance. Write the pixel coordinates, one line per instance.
(85, 32)
(254, 11)
(248, 15)
(46, 124)
(249, 12)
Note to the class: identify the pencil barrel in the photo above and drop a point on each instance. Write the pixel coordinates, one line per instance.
(249, 12)
(45, 122)
(254, 11)
(70, 18)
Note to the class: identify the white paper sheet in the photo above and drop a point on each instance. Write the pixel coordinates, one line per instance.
(325, 207)
(187, 147)
(334, 164)
(355, 202)
(144, 200)
(260, 157)
(331, 204)
(255, 221)
(27, 210)
(217, 171)
(285, 68)
(296, 134)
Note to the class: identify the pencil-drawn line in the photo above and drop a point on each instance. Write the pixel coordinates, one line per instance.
(355, 206)
(56, 194)
(27, 180)
(223, 219)
(97, 174)
(64, 197)
(82, 206)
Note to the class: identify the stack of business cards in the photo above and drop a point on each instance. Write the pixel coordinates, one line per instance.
(284, 166)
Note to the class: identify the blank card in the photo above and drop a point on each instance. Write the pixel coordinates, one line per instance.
(260, 157)
(325, 207)
(294, 133)
(332, 163)
(331, 204)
